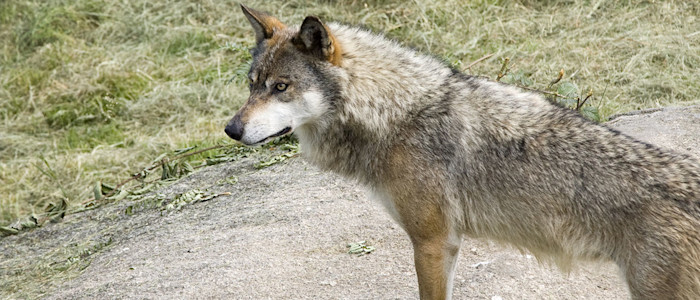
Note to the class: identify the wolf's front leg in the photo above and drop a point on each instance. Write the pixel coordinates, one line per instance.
(435, 243)
(415, 192)
(436, 258)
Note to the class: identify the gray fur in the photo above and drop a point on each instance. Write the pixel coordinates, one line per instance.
(496, 161)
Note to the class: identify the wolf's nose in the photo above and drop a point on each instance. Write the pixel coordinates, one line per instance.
(234, 128)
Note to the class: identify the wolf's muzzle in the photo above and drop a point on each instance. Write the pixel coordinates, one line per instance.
(234, 128)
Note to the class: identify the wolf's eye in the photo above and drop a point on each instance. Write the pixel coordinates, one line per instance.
(281, 87)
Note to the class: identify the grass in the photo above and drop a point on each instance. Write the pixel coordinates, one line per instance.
(32, 278)
(93, 90)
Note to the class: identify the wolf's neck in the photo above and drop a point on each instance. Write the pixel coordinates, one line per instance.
(384, 82)
(336, 148)
(383, 85)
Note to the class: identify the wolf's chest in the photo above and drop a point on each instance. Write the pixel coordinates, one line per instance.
(380, 195)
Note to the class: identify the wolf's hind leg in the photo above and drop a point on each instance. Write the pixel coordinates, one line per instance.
(664, 263)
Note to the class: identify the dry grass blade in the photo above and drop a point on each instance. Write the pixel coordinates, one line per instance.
(485, 57)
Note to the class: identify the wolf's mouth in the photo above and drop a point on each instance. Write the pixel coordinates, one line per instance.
(282, 132)
(279, 133)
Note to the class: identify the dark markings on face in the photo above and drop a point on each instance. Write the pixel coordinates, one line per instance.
(326, 83)
(300, 72)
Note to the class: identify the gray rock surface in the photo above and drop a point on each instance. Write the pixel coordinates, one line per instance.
(283, 231)
(674, 128)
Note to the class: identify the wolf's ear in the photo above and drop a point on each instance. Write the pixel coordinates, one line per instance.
(263, 24)
(315, 38)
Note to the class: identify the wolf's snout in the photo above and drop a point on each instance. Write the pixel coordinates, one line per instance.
(234, 128)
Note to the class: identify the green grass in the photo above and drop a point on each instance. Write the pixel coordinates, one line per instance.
(100, 88)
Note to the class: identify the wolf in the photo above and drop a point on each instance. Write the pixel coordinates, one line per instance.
(450, 155)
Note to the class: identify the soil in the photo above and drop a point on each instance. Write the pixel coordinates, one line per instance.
(283, 233)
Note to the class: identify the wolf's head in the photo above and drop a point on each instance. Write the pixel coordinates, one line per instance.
(290, 79)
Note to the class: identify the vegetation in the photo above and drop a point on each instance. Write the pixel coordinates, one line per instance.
(91, 91)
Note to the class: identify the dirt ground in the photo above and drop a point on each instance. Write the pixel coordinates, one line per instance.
(283, 233)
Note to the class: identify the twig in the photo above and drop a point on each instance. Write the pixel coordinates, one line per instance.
(541, 91)
(590, 93)
(504, 69)
(553, 82)
(469, 67)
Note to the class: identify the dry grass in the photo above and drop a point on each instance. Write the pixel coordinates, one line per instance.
(94, 90)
